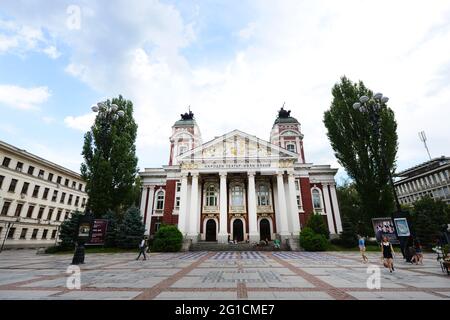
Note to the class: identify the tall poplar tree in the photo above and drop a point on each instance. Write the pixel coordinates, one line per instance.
(366, 155)
(110, 162)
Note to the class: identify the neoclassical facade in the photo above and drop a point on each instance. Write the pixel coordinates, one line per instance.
(238, 186)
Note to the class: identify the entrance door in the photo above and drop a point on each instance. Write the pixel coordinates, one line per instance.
(211, 230)
(238, 230)
(264, 229)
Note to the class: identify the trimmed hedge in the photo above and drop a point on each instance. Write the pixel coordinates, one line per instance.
(167, 239)
(317, 224)
(311, 241)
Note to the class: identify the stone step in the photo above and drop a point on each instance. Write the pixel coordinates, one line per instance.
(214, 246)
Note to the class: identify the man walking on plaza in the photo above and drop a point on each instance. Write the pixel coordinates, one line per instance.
(142, 247)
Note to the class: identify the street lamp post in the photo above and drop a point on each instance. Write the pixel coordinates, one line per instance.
(373, 107)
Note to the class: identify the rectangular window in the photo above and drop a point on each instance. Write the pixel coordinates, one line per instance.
(34, 234)
(19, 166)
(69, 202)
(5, 208)
(63, 197)
(74, 184)
(41, 212)
(177, 203)
(30, 170)
(77, 201)
(58, 216)
(36, 191)
(30, 211)
(66, 183)
(53, 234)
(59, 180)
(157, 226)
(18, 210)
(55, 195)
(178, 186)
(41, 174)
(66, 215)
(44, 234)
(11, 233)
(50, 177)
(6, 162)
(83, 203)
(12, 186)
(25, 188)
(24, 232)
(2, 178)
(45, 195)
(80, 187)
(50, 214)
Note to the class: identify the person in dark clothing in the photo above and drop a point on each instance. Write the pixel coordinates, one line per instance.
(142, 247)
(388, 253)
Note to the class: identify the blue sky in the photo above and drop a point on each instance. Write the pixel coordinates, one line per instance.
(234, 62)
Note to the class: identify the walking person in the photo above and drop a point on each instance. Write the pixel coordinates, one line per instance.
(142, 246)
(388, 254)
(362, 249)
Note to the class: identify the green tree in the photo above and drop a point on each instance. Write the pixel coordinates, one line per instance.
(111, 231)
(365, 155)
(348, 237)
(311, 241)
(428, 217)
(350, 207)
(130, 230)
(317, 224)
(110, 162)
(69, 230)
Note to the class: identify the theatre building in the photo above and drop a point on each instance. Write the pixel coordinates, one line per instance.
(238, 186)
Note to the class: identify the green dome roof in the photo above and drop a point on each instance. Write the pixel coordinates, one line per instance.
(286, 120)
(181, 122)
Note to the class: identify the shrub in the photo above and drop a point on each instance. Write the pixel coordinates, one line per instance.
(69, 231)
(111, 231)
(167, 239)
(348, 237)
(311, 241)
(316, 223)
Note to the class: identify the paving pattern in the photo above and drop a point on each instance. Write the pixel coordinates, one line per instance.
(218, 276)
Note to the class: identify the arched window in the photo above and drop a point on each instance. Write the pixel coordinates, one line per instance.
(263, 195)
(160, 200)
(237, 196)
(211, 196)
(317, 201)
(182, 149)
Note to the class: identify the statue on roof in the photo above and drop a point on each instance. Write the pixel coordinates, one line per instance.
(284, 113)
(188, 116)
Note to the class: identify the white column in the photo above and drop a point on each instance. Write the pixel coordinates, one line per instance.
(252, 217)
(151, 193)
(143, 200)
(295, 218)
(337, 214)
(183, 205)
(223, 232)
(284, 231)
(328, 211)
(193, 233)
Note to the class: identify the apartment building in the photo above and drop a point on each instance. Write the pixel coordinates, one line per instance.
(36, 196)
(430, 178)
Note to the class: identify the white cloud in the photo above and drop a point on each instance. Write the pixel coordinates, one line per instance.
(294, 51)
(82, 123)
(23, 98)
(52, 52)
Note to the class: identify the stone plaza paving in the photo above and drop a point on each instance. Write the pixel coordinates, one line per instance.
(218, 276)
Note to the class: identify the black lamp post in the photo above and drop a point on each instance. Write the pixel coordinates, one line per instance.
(373, 107)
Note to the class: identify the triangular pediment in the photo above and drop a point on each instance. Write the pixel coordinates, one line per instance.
(237, 145)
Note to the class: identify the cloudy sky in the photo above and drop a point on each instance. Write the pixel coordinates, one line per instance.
(234, 62)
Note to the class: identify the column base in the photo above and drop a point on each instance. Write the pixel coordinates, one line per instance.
(192, 237)
(254, 237)
(222, 238)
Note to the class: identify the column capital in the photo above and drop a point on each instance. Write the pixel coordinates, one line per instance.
(223, 174)
(291, 174)
(184, 175)
(195, 174)
(280, 173)
(251, 173)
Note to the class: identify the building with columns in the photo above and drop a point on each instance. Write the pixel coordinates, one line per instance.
(238, 186)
